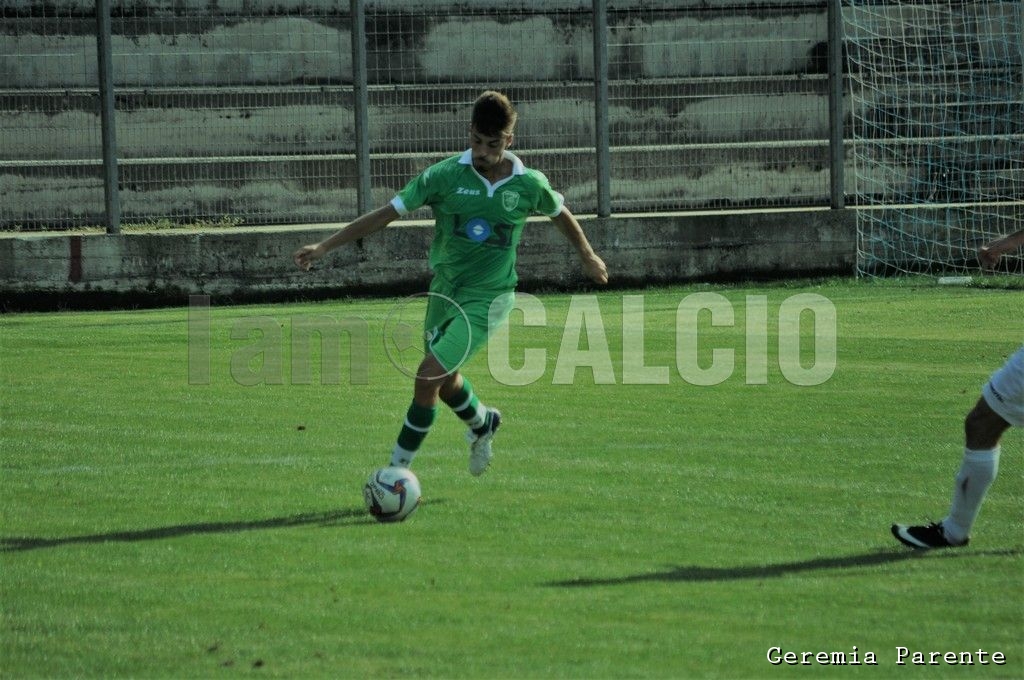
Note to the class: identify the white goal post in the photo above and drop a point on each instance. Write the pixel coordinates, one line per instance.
(937, 89)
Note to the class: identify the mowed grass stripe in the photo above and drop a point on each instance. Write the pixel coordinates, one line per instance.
(157, 528)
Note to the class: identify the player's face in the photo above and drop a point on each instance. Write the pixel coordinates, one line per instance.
(487, 151)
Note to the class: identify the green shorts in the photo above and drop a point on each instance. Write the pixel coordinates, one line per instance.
(459, 321)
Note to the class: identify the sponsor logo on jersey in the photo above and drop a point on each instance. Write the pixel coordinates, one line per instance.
(463, 191)
(478, 229)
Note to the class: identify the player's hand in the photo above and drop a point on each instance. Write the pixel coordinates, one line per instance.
(595, 269)
(306, 255)
(989, 257)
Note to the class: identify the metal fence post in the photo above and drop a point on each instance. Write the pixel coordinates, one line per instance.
(602, 138)
(835, 103)
(364, 198)
(111, 197)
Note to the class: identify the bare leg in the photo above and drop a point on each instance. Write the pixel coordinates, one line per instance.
(983, 427)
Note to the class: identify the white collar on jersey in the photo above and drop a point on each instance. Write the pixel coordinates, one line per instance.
(517, 165)
(517, 169)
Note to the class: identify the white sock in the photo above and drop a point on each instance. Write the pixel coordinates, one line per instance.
(976, 474)
(400, 457)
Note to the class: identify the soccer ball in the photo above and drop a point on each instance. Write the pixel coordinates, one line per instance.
(391, 494)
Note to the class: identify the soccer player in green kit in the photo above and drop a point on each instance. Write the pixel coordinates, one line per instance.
(481, 200)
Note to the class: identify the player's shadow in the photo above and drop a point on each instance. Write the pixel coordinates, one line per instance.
(697, 574)
(330, 518)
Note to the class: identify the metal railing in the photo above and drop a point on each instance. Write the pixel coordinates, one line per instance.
(275, 113)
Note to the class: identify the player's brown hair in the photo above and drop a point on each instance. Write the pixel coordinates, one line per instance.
(493, 114)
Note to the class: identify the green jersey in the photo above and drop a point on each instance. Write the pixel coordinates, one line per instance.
(478, 225)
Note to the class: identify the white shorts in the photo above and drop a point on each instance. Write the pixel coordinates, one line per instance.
(1004, 391)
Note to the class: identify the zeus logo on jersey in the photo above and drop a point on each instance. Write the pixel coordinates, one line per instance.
(463, 191)
(480, 230)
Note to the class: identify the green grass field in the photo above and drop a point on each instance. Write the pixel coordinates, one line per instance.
(166, 519)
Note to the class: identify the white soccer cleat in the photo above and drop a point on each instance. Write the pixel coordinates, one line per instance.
(480, 444)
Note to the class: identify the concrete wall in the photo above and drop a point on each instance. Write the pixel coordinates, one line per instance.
(143, 269)
(230, 7)
(444, 47)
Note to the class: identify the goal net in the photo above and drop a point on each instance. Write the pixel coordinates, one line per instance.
(938, 131)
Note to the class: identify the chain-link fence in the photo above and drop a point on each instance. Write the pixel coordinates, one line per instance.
(247, 111)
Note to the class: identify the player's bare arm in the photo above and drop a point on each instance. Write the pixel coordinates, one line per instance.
(362, 226)
(990, 253)
(593, 266)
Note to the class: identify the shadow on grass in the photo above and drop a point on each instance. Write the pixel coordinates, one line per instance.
(707, 574)
(330, 518)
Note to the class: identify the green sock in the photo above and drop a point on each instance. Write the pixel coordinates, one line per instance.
(418, 420)
(467, 406)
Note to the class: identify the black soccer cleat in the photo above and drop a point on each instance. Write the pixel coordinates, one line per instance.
(924, 537)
